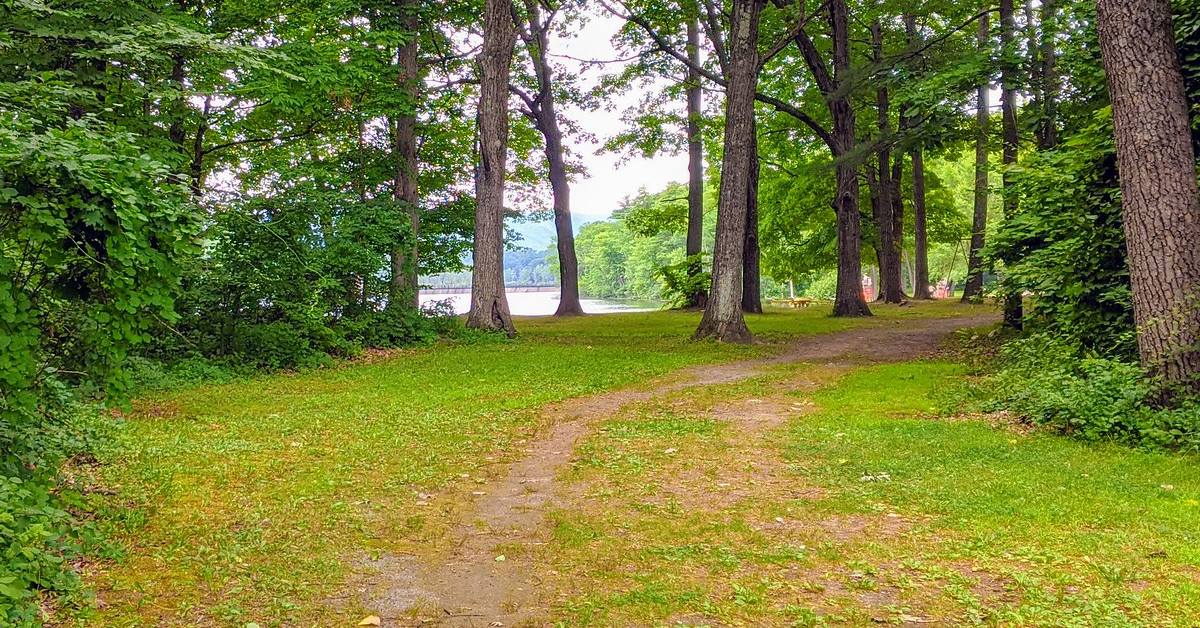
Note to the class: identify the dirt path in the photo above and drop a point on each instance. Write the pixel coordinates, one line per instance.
(488, 579)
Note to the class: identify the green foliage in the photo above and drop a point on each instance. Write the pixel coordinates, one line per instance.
(1066, 246)
(681, 281)
(1045, 381)
(91, 241)
(637, 253)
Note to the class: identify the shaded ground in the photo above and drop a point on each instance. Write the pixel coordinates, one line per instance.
(488, 575)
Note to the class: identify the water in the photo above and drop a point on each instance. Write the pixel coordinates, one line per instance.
(541, 303)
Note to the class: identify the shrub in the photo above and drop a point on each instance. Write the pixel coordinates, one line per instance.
(680, 282)
(41, 530)
(1043, 380)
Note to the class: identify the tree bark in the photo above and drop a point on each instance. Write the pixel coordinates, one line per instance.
(848, 299)
(545, 114)
(751, 274)
(695, 226)
(723, 318)
(973, 290)
(1160, 202)
(404, 286)
(489, 304)
(1014, 311)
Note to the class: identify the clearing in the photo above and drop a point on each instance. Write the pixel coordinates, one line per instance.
(606, 471)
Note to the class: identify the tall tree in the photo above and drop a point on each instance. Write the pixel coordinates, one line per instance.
(1160, 201)
(920, 225)
(489, 304)
(849, 298)
(405, 272)
(973, 290)
(1008, 106)
(751, 262)
(1046, 77)
(883, 188)
(835, 86)
(723, 318)
(534, 30)
(695, 143)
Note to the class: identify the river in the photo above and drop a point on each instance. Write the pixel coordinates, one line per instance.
(541, 303)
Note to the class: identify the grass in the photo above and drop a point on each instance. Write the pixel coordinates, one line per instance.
(870, 507)
(250, 502)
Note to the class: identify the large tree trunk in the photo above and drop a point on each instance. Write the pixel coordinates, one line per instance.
(723, 316)
(891, 288)
(489, 305)
(403, 290)
(973, 290)
(695, 226)
(848, 299)
(751, 274)
(1013, 309)
(546, 115)
(1160, 202)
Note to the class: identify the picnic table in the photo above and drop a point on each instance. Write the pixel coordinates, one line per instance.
(796, 302)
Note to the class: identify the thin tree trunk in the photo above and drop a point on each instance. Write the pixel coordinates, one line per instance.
(751, 274)
(695, 226)
(546, 115)
(404, 289)
(489, 304)
(723, 318)
(973, 290)
(1047, 129)
(890, 289)
(848, 300)
(920, 229)
(1013, 308)
(1160, 202)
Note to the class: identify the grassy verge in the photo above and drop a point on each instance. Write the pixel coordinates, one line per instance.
(249, 502)
(863, 505)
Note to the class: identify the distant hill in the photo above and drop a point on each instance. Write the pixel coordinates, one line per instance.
(524, 266)
(540, 235)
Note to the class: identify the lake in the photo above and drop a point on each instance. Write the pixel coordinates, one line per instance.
(541, 303)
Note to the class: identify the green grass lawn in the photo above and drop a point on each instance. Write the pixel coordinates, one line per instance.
(868, 506)
(251, 501)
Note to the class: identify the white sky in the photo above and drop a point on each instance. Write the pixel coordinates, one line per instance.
(608, 180)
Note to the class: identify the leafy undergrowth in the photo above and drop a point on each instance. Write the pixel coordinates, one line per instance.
(250, 502)
(861, 505)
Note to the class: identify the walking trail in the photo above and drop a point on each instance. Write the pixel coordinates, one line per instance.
(474, 586)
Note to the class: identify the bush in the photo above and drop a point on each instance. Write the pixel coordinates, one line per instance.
(681, 282)
(1044, 381)
(41, 527)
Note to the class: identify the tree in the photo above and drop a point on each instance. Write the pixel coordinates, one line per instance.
(403, 287)
(973, 290)
(489, 305)
(534, 31)
(920, 228)
(849, 300)
(723, 318)
(1160, 201)
(885, 197)
(1008, 105)
(695, 144)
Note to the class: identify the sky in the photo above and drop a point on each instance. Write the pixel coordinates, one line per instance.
(608, 180)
